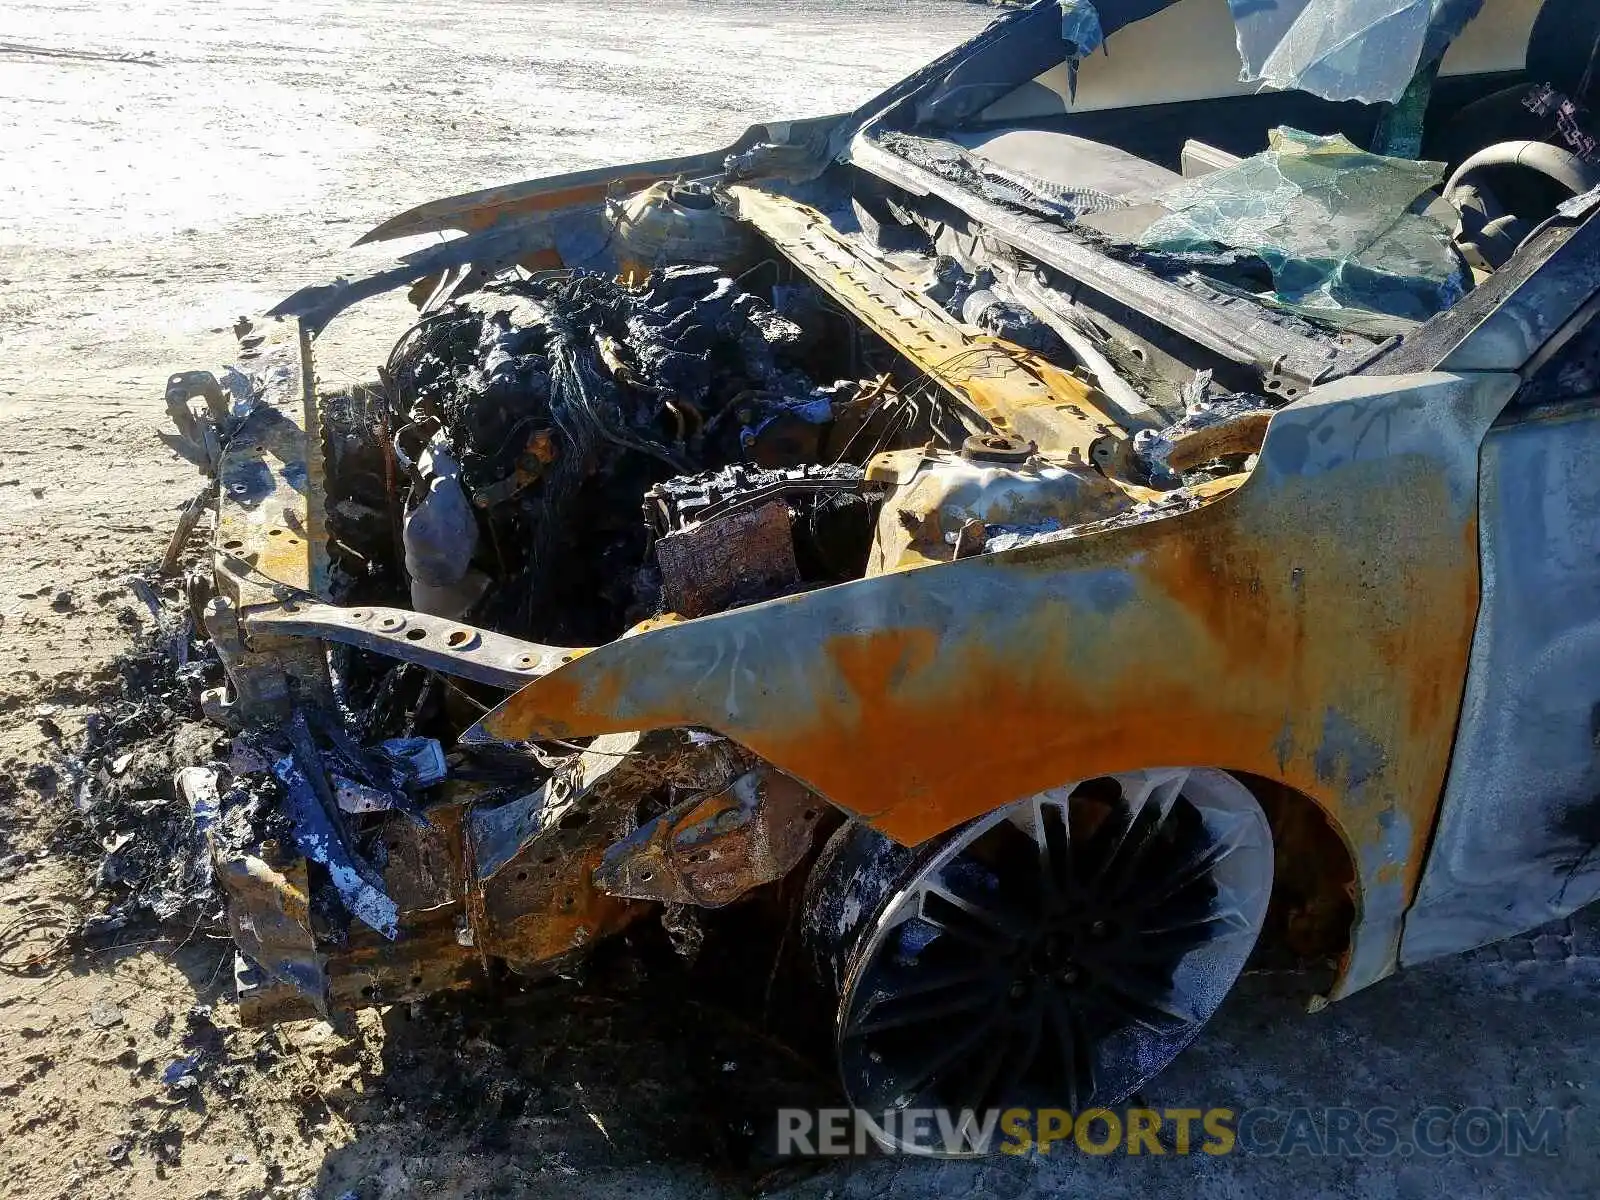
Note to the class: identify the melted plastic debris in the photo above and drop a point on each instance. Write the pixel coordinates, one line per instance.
(1334, 224)
(421, 758)
(180, 1073)
(319, 836)
(126, 817)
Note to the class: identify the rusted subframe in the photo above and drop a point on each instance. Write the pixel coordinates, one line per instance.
(515, 881)
(713, 848)
(271, 534)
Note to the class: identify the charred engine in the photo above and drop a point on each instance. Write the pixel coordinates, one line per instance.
(535, 418)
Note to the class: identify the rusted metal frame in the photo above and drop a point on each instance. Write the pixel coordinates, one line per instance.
(1237, 330)
(519, 880)
(427, 873)
(1024, 287)
(1311, 626)
(188, 520)
(283, 973)
(271, 532)
(450, 647)
(198, 424)
(1011, 389)
(440, 876)
(269, 916)
(535, 858)
(1240, 433)
(712, 848)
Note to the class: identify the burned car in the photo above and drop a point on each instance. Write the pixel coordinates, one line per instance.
(1122, 500)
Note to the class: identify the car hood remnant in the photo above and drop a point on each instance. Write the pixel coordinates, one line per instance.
(1337, 227)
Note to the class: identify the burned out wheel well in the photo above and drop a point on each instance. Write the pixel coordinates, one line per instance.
(1314, 890)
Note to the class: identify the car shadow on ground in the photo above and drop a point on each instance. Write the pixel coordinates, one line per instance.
(636, 1072)
(644, 1079)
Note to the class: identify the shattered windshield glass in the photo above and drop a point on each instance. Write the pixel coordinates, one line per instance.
(1365, 50)
(1336, 225)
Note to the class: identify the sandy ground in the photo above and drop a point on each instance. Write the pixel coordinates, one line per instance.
(143, 206)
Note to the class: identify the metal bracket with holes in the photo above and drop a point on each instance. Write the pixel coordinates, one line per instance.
(433, 642)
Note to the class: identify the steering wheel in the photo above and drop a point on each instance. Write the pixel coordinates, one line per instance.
(1490, 235)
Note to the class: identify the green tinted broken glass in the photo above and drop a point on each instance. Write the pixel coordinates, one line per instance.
(1341, 229)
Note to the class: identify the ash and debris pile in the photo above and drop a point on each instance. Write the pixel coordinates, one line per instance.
(125, 817)
(156, 793)
(154, 786)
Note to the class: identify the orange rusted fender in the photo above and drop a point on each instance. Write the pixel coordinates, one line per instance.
(1312, 626)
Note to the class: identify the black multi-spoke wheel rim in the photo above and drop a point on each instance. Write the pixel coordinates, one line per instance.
(1058, 953)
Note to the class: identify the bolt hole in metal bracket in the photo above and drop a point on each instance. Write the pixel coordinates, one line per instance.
(450, 647)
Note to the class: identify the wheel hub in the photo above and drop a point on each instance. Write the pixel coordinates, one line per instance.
(1057, 953)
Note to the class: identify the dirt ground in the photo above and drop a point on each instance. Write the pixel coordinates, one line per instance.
(170, 166)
